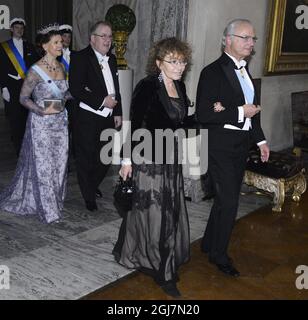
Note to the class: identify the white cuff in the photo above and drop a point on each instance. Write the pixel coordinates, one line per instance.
(240, 114)
(106, 112)
(261, 142)
(102, 105)
(126, 162)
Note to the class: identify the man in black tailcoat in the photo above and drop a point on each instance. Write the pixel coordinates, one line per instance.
(16, 56)
(93, 82)
(227, 105)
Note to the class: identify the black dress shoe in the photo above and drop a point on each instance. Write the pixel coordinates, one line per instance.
(230, 260)
(91, 205)
(98, 193)
(171, 290)
(228, 269)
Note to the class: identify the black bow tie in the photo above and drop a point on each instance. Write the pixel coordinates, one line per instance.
(236, 68)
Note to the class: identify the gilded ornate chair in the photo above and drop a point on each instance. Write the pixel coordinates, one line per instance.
(282, 174)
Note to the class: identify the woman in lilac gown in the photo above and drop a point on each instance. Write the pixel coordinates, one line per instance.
(39, 184)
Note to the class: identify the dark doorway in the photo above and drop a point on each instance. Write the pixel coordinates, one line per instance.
(39, 13)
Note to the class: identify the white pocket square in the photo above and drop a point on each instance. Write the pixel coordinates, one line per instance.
(14, 77)
(87, 89)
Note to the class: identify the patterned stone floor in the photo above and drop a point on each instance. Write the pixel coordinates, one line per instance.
(73, 258)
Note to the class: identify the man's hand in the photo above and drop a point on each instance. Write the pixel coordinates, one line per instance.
(265, 152)
(6, 94)
(117, 121)
(110, 102)
(251, 110)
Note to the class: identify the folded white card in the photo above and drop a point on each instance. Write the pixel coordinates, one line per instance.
(103, 113)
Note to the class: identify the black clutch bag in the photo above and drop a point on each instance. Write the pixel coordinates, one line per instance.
(123, 196)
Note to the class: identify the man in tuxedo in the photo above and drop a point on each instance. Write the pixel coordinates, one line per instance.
(16, 56)
(93, 82)
(66, 33)
(228, 106)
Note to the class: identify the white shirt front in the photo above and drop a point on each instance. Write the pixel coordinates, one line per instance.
(19, 46)
(103, 62)
(243, 73)
(247, 125)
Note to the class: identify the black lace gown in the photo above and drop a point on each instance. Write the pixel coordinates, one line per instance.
(154, 236)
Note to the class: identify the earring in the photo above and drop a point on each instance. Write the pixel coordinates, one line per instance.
(160, 77)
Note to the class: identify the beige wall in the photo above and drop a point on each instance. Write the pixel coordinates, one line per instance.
(207, 20)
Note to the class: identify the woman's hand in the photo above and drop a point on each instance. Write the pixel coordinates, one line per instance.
(218, 107)
(125, 171)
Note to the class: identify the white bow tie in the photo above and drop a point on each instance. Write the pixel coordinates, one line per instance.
(104, 59)
(242, 63)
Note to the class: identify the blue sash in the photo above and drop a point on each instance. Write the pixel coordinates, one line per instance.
(15, 57)
(19, 58)
(66, 65)
(249, 92)
(48, 80)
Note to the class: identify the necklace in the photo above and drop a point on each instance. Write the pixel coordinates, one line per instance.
(49, 67)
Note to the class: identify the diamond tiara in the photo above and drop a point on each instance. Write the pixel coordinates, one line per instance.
(48, 28)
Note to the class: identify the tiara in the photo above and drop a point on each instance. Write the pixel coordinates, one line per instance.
(65, 27)
(48, 28)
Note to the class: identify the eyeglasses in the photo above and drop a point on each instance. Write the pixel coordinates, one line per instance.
(176, 63)
(245, 38)
(104, 36)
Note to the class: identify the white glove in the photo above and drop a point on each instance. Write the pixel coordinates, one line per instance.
(6, 94)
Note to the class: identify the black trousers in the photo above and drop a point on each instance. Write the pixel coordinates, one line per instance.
(90, 170)
(17, 116)
(226, 166)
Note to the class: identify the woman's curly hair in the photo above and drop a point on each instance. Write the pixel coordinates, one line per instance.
(164, 47)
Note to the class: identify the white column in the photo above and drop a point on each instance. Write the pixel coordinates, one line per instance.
(126, 90)
(196, 36)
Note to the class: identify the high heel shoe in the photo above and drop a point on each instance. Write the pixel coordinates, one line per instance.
(171, 289)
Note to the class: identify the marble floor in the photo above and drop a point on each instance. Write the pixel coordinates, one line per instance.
(71, 259)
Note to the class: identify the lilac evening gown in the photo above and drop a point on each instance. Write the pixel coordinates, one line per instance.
(39, 184)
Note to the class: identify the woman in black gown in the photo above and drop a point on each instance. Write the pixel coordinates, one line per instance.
(154, 236)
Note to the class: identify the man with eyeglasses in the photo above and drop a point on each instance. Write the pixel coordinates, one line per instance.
(228, 106)
(93, 82)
